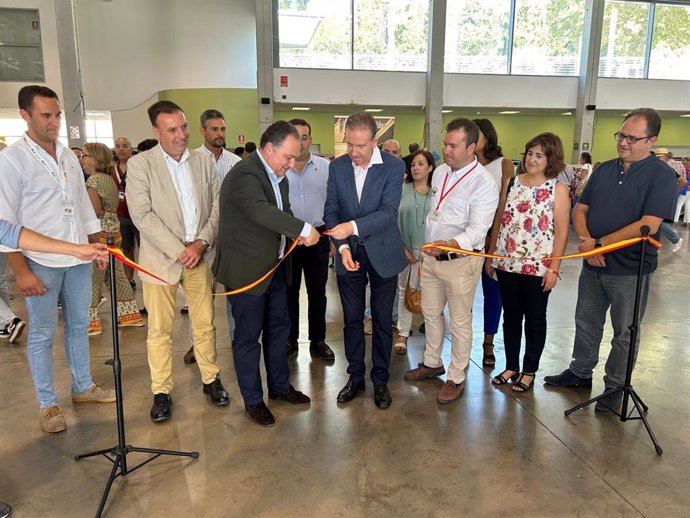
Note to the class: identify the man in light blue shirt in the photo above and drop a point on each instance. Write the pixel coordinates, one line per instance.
(308, 181)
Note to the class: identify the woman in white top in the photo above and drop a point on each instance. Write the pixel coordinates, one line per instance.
(490, 155)
(581, 176)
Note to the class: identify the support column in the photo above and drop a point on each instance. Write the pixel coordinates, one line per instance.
(72, 100)
(433, 125)
(264, 62)
(587, 82)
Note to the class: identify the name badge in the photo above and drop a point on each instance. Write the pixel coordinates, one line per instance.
(435, 215)
(67, 211)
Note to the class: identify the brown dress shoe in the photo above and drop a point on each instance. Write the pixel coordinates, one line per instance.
(422, 372)
(450, 391)
(189, 357)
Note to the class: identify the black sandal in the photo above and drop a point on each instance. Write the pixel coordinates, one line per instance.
(519, 386)
(500, 380)
(489, 360)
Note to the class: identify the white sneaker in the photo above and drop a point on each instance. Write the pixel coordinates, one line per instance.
(678, 245)
(13, 330)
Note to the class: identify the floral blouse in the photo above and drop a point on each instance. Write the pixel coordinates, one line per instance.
(527, 228)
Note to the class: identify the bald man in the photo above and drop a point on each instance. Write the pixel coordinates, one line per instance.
(130, 234)
(392, 146)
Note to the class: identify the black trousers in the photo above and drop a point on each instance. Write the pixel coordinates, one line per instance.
(523, 298)
(313, 261)
(352, 288)
(262, 316)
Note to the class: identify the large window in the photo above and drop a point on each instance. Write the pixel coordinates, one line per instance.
(21, 56)
(98, 127)
(670, 51)
(381, 35)
(477, 36)
(548, 37)
(624, 39)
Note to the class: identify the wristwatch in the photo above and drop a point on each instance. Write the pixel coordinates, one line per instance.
(598, 243)
(206, 243)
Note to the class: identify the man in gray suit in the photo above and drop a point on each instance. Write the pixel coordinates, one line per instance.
(364, 189)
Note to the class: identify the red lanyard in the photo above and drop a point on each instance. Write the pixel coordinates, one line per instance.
(445, 194)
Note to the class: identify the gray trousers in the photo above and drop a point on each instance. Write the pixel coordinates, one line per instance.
(596, 293)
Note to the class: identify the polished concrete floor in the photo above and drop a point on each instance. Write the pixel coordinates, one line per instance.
(491, 453)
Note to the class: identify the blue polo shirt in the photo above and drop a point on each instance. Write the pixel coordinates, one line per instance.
(616, 198)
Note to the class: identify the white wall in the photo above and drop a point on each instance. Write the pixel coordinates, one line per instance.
(623, 94)
(51, 61)
(131, 49)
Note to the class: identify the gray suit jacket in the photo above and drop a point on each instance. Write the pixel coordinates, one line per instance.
(156, 211)
(251, 225)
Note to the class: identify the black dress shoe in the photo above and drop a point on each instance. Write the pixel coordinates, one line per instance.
(291, 395)
(260, 414)
(382, 397)
(143, 311)
(219, 396)
(292, 348)
(189, 357)
(162, 408)
(349, 391)
(322, 351)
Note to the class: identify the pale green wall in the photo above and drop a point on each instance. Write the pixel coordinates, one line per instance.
(240, 106)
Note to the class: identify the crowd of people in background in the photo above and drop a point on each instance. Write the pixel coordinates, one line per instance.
(393, 225)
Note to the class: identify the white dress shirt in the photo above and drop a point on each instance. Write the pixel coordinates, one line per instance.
(46, 196)
(360, 178)
(275, 184)
(181, 176)
(224, 163)
(308, 190)
(467, 211)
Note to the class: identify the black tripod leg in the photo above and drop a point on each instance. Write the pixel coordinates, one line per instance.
(593, 400)
(639, 405)
(192, 454)
(108, 485)
(94, 453)
(639, 400)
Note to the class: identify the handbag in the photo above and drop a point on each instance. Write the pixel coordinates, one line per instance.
(413, 297)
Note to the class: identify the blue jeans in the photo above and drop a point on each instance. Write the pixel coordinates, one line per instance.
(72, 287)
(596, 293)
(492, 304)
(667, 230)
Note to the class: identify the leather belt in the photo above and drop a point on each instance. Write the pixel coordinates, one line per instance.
(449, 256)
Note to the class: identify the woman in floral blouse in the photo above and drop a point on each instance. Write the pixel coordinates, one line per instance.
(531, 223)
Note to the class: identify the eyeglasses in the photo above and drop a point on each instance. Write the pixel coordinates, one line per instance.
(620, 137)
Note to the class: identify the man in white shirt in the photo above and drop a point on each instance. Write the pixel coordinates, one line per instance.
(463, 204)
(176, 244)
(213, 131)
(308, 181)
(40, 173)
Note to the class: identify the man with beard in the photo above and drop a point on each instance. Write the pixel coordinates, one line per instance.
(213, 130)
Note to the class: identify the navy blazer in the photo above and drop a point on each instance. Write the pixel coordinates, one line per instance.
(376, 214)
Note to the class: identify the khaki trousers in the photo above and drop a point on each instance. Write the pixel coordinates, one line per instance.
(453, 282)
(197, 284)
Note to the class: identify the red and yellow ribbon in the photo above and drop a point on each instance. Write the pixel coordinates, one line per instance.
(594, 251)
(120, 256)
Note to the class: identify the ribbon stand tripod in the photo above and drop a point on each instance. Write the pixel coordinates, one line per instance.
(118, 454)
(627, 389)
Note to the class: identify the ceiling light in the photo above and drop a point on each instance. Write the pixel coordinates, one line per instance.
(374, 110)
(686, 115)
(301, 108)
(446, 111)
(567, 113)
(508, 112)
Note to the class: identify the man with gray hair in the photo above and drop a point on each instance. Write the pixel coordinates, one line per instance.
(391, 146)
(130, 234)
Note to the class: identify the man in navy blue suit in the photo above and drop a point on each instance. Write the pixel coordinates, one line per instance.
(364, 189)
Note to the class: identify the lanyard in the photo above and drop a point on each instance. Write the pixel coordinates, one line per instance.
(444, 193)
(55, 177)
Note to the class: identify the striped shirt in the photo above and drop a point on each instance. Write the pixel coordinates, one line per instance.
(226, 161)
